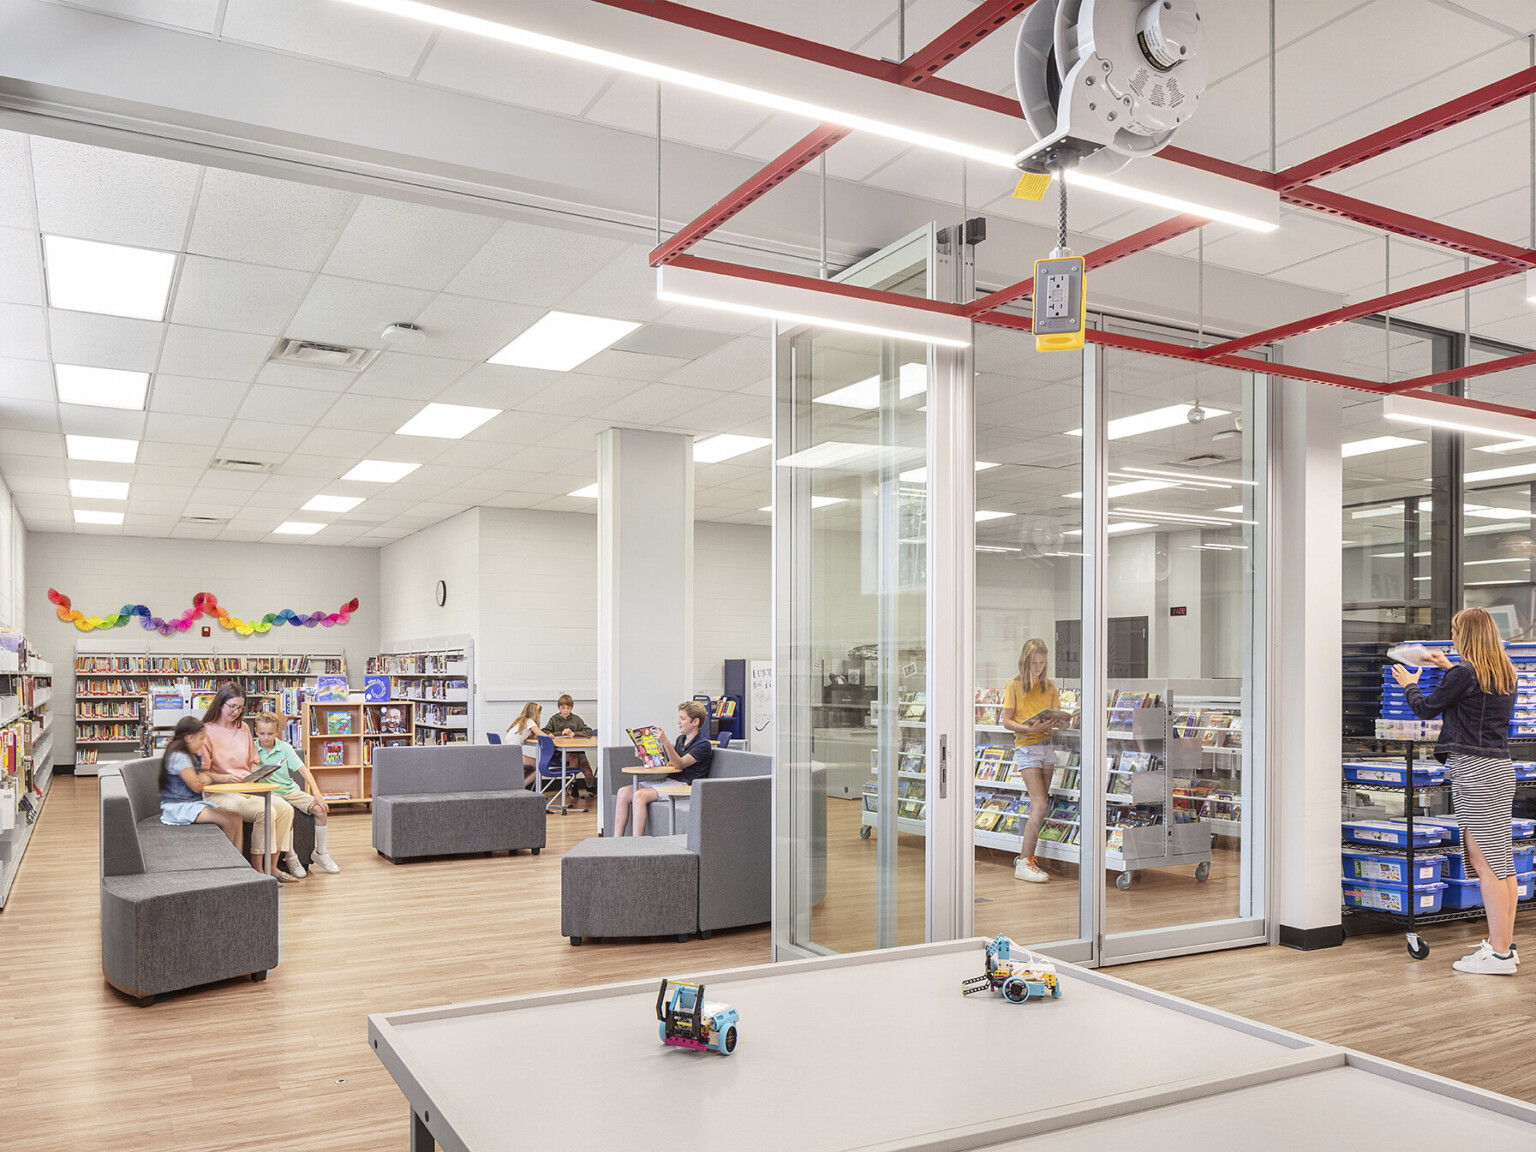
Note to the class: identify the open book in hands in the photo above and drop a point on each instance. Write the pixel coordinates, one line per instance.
(1052, 718)
(650, 745)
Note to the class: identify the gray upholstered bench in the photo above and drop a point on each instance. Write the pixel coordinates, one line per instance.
(629, 886)
(451, 800)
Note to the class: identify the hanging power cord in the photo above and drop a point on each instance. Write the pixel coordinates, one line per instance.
(1061, 215)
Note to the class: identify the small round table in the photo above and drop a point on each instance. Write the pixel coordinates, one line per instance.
(264, 789)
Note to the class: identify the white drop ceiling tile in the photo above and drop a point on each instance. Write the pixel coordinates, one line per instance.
(740, 364)
(843, 25)
(201, 506)
(191, 396)
(522, 76)
(558, 484)
(213, 353)
(1515, 330)
(299, 406)
(287, 501)
(526, 264)
(654, 405)
(414, 245)
(281, 483)
(181, 429)
(691, 316)
(262, 220)
(727, 412)
(438, 509)
(263, 435)
(519, 500)
(29, 415)
(544, 460)
(180, 477)
(41, 501)
(624, 289)
(688, 117)
(856, 156)
(923, 172)
(196, 15)
(184, 531)
(484, 453)
(26, 380)
(498, 386)
(16, 202)
(104, 341)
(316, 467)
(236, 296)
(468, 328)
(286, 375)
(632, 365)
(31, 443)
(22, 332)
(410, 449)
(776, 135)
(174, 455)
(328, 30)
(78, 420)
(408, 377)
(53, 485)
(433, 478)
(115, 197)
(370, 413)
(578, 394)
(353, 312)
(22, 282)
(13, 463)
(340, 443)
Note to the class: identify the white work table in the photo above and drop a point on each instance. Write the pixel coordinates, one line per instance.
(881, 1051)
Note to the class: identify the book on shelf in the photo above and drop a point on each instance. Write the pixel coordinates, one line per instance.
(1132, 760)
(1212, 728)
(330, 690)
(334, 751)
(338, 723)
(331, 797)
(913, 756)
(915, 706)
(376, 689)
(989, 714)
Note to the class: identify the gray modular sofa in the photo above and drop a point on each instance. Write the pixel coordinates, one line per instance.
(716, 874)
(727, 764)
(180, 906)
(453, 799)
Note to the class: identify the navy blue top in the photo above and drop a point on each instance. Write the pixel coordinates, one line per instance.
(702, 752)
(1476, 723)
(173, 789)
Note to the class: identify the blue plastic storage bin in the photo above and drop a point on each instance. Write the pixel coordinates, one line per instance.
(1425, 773)
(1376, 868)
(1456, 864)
(1525, 769)
(1394, 897)
(1445, 826)
(1462, 894)
(1521, 828)
(1391, 833)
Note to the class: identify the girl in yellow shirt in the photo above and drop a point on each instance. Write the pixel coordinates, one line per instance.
(1029, 693)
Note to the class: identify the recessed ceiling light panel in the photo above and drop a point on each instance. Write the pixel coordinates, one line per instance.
(99, 489)
(298, 528)
(725, 446)
(332, 503)
(108, 448)
(101, 387)
(87, 276)
(91, 516)
(446, 421)
(561, 341)
(380, 471)
(587, 493)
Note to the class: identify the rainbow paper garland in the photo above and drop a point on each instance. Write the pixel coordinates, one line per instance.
(203, 604)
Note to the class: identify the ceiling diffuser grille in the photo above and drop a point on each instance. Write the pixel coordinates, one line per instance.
(317, 355)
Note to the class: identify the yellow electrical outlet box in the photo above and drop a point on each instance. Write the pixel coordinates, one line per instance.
(1061, 303)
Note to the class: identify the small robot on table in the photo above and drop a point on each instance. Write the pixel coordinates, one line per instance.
(688, 1021)
(1018, 980)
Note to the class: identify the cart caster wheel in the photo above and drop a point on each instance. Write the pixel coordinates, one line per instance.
(1203, 872)
(864, 832)
(1416, 946)
(1123, 881)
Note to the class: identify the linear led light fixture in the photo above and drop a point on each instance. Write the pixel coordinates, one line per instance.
(577, 32)
(1178, 188)
(1113, 529)
(1154, 420)
(446, 421)
(1132, 488)
(1520, 445)
(1190, 516)
(1509, 473)
(1441, 414)
(1501, 560)
(983, 516)
(1376, 444)
(298, 528)
(331, 504)
(808, 306)
(111, 449)
(1221, 481)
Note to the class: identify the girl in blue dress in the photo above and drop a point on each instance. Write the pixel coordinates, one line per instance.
(181, 784)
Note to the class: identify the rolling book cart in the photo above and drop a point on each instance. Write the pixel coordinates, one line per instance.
(1393, 867)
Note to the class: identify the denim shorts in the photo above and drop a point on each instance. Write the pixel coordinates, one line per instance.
(1035, 755)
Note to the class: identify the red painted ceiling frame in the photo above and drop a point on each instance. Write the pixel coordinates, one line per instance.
(919, 69)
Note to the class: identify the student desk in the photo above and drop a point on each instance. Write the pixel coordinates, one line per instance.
(880, 1051)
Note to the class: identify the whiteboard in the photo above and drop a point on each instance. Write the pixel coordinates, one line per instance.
(760, 707)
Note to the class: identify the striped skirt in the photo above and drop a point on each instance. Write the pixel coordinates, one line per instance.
(1484, 789)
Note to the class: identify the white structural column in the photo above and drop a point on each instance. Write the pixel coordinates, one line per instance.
(645, 579)
(1309, 711)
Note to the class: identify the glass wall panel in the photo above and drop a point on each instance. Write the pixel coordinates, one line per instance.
(1029, 561)
(1500, 478)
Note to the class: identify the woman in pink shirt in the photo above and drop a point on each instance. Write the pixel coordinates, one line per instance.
(229, 753)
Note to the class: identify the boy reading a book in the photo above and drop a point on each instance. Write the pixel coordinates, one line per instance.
(289, 771)
(566, 723)
(689, 755)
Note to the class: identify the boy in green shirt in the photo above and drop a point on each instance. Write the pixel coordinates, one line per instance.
(566, 723)
(305, 797)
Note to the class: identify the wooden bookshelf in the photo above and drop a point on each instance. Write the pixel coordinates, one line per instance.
(319, 723)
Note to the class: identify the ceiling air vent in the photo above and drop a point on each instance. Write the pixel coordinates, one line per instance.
(1203, 460)
(229, 465)
(316, 355)
(205, 520)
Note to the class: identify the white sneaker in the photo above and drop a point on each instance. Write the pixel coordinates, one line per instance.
(1483, 962)
(322, 862)
(286, 877)
(291, 859)
(1028, 869)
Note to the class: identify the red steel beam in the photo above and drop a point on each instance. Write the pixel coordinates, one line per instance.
(1118, 250)
(745, 195)
(1391, 220)
(960, 37)
(1474, 103)
(1504, 364)
(1435, 288)
(830, 287)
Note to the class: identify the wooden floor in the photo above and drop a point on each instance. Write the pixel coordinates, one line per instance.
(284, 1063)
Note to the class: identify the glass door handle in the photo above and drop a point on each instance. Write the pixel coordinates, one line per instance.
(943, 767)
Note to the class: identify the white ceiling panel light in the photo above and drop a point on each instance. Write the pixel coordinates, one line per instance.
(920, 475)
(446, 421)
(101, 387)
(1180, 188)
(912, 380)
(1155, 420)
(1188, 477)
(332, 504)
(1114, 529)
(1447, 413)
(816, 502)
(561, 341)
(676, 55)
(811, 306)
(1523, 444)
(380, 471)
(983, 516)
(1131, 488)
(587, 493)
(726, 446)
(99, 489)
(87, 276)
(108, 448)
(91, 516)
(297, 528)
(1510, 473)
(1376, 444)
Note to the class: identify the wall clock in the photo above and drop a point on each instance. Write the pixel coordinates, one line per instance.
(441, 593)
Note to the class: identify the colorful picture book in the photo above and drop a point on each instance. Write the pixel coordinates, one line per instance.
(333, 752)
(913, 758)
(650, 745)
(330, 690)
(338, 723)
(376, 689)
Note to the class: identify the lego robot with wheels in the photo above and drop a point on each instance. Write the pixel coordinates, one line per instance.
(688, 1021)
(1026, 978)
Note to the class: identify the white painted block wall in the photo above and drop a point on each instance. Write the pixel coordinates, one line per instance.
(13, 553)
(100, 573)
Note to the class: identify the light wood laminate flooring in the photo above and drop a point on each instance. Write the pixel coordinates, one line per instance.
(285, 1064)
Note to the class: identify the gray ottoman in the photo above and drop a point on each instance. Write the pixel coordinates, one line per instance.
(455, 823)
(629, 886)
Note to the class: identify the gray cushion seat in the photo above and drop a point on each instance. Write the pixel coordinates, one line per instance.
(629, 886)
(453, 799)
(180, 905)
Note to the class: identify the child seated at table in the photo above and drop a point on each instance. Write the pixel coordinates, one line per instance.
(566, 723)
(181, 784)
(525, 731)
(690, 756)
(307, 798)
